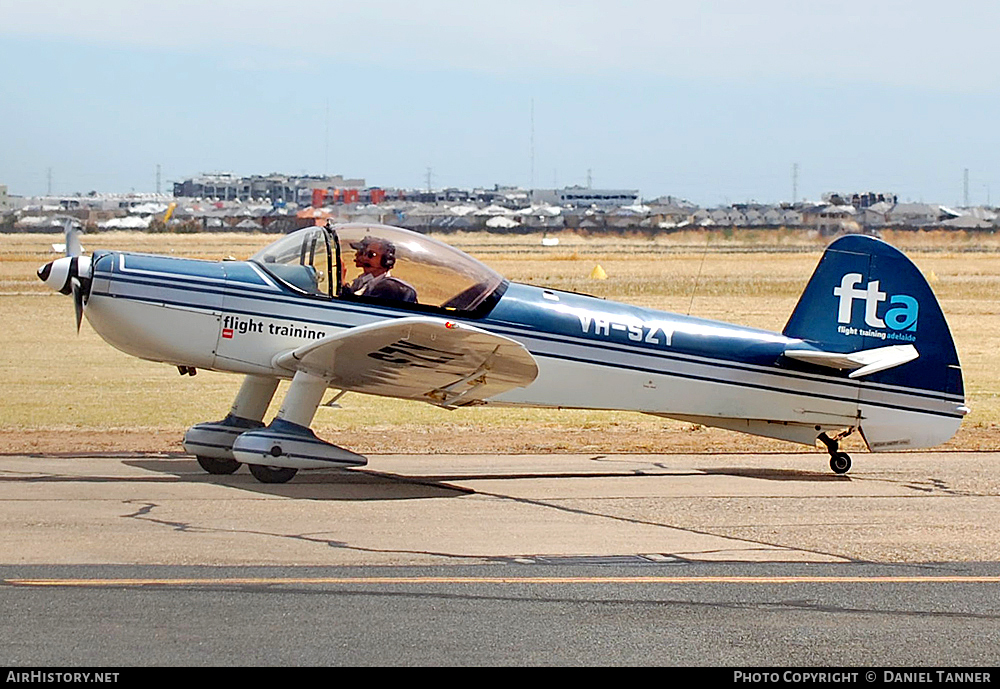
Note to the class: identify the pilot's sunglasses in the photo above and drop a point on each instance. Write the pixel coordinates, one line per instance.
(371, 254)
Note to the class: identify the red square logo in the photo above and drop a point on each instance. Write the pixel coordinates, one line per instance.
(227, 333)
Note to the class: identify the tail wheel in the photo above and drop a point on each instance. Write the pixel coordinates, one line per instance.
(272, 474)
(217, 465)
(840, 462)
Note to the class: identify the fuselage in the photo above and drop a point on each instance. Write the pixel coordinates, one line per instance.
(591, 353)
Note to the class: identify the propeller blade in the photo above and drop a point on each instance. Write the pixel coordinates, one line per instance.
(77, 289)
(72, 234)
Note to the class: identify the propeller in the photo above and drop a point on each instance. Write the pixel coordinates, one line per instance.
(72, 232)
(74, 249)
(77, 289)
(70, 274)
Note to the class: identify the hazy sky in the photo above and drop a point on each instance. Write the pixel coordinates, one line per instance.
(709, 101)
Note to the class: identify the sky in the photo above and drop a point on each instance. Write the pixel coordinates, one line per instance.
(715, 102)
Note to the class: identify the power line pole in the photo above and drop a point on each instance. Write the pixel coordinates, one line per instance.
(965, 188)
(532, 181)
(795, 182)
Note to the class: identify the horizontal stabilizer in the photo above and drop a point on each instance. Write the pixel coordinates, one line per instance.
(861, 363)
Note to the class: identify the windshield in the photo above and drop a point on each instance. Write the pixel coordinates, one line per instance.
(382, 263)
(302, 259)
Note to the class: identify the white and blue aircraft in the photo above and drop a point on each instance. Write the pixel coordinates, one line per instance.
(866, 349)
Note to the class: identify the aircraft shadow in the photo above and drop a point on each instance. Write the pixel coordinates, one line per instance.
(346, 484)
(366, 484)
(775, 474)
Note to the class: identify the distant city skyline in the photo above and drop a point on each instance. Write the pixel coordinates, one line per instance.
(711, 103)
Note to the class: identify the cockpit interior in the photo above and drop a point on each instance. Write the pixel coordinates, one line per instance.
(382, 264)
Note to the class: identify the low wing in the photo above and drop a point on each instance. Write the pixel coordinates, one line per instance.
(430, 359)
(863, 363)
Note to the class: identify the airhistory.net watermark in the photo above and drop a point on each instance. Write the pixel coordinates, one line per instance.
(52, 677)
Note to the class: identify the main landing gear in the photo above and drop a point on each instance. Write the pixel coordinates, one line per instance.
(274, 452)
(212, 442)
(840, 461)
(217, 465)
(266, 474)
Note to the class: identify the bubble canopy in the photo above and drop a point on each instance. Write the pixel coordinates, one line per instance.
(437, 276)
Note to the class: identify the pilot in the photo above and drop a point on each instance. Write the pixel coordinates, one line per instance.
(376, 257)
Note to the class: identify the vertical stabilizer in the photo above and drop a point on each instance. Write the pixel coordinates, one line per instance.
(864, 295)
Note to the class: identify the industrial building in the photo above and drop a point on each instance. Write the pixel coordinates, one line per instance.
(585, 197)
(226, 186)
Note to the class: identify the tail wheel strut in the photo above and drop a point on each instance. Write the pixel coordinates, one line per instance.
(840, 462)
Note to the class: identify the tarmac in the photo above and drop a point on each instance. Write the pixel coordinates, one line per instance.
(441, 510)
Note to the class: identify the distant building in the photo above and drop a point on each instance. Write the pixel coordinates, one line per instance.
(584, 197)
(225, 186)
(449, 195)
(831, 218)
(919, 214)
(859, 200)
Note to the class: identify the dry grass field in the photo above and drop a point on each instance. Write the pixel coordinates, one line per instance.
(73, 393)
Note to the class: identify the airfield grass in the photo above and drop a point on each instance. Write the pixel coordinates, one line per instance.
(69, 392)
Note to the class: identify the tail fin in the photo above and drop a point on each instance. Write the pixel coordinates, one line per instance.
(864, 300)
(866, 294)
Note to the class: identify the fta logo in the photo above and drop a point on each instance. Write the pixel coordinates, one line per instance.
(903, 315)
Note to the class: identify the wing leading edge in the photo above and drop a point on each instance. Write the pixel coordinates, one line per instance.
(443, 362)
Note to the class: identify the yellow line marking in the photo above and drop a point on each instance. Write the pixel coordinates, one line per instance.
(416, 580)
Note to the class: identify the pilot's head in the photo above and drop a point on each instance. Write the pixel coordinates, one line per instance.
(374, 255)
